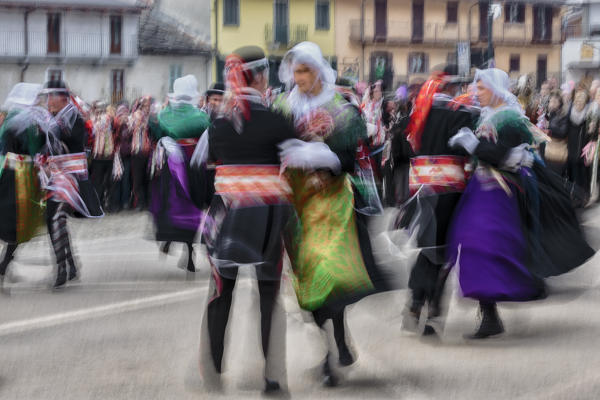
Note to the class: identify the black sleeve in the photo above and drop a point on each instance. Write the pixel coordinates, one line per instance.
(490, 152)
(401, 149)
(508, 137)
(347, 160)
(75, 139)
(286, 128)
(558, 127)
(212, 158)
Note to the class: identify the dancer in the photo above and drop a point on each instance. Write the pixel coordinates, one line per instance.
(330, 249)
(503, 241)
(20, 139)
(250, 208)
(64, 176)
(177, 129)
(437, 178)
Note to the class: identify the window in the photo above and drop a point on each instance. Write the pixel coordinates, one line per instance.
(515, 63)
(53, 33)
(175, 71)
(281, 21)
(514, 13)
(117, 85)
(452, 58)
(322, 15)
(231, 12)
(54, 75)
(115, 34)
(418, 63)
(452, 12)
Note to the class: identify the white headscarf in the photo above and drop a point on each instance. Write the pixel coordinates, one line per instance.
(497, 81)
(22, 95)
(307, 53)
(185, 91)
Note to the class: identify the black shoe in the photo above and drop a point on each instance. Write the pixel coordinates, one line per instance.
(271, 386)
(191, 267)
(4, 265)
(61, 277)
(329, 379)
(73, 274)
(490, 323)
(428, 331)
(345, 356)
(165, 247)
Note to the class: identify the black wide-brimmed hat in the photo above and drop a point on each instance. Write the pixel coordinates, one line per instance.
(216, 88)
(55, 86)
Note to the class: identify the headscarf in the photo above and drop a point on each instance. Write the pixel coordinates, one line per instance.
(185, 91)
(310, 54)
(421, 108)
(236, 102)
(307, 53)
(497, 81)
(22, 95)
(235, 107)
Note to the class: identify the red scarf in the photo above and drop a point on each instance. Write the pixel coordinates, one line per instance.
(235, 106)
(421, 108)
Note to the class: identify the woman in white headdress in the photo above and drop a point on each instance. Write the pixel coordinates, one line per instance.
(20, 140)
(177, 127)
(504, 243)
(330, 251)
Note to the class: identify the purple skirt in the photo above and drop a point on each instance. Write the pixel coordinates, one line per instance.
(176, 216)
(493, 251)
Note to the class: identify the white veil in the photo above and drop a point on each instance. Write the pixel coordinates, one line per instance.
(307, 53)
(498, 82)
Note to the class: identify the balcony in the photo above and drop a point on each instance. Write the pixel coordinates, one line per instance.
(285, 36)
(443, 35)
(84, 47)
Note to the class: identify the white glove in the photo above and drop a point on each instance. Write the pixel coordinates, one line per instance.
(518, 157)
(308, 155)
(464, 138)
(371, 129)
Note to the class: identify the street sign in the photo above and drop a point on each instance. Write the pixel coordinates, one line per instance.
(463, 55)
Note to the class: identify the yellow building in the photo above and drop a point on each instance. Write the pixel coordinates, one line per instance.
(400, 40)
(274, 25)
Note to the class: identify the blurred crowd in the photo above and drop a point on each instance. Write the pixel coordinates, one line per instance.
(482, 174)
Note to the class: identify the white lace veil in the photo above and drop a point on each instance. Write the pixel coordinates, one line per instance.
(305, 53)
(22, 95)
(497, 81)
(309, 54)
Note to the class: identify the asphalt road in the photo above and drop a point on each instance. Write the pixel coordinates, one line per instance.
(130, 329)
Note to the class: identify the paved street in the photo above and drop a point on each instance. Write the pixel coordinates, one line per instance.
(130, 330)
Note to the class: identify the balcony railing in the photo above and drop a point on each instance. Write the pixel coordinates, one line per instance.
(285, 35)
(72, 45)
(12, 44)
(401, 32)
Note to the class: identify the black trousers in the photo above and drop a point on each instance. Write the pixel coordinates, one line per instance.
(139, 176)
(121, 189)
(219, 307)
(426, 278)
(102, 179)
(56, 220)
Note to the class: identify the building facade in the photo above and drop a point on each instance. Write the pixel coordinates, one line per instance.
(98, 47)
(581, 50)
(400, 40)
(273, 25)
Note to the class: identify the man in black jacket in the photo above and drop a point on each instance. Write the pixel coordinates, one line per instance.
(437, 174)
(68, 187)
(250, 203)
